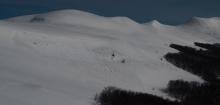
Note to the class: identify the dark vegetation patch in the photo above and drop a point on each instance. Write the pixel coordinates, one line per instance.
(204, 62)
(192, 93)
(37, 19)
(116, 96)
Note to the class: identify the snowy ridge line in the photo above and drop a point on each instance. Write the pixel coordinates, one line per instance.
(66, 57)
(77, 14)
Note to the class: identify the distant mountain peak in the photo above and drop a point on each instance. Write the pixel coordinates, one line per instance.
(121, 19)
(79, 18)
(205, 22)
(70, 13)
(154, 23)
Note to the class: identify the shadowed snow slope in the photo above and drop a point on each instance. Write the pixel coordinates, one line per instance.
(66, 57)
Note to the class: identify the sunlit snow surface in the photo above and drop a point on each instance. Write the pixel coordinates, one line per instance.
(66, 57)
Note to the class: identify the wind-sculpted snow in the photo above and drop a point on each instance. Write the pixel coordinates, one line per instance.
(67, 57)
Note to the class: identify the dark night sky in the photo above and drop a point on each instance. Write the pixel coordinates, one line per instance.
(165, 11)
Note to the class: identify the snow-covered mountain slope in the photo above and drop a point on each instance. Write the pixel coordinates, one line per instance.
(66, 57)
